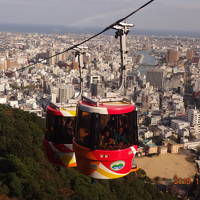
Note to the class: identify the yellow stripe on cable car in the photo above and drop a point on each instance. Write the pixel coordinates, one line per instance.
(72, 112)
(68, 159)
(108, 174)
(68, 112)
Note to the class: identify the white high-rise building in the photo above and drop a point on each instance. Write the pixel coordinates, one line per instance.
(52, 61)
(156, 78)
(194, 119)
(66, 92)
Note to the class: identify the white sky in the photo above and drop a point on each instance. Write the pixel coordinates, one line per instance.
(160, 15)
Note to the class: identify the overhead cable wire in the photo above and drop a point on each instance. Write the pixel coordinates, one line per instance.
(90, 38)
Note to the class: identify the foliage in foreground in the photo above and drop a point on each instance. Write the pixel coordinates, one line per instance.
(25, 172)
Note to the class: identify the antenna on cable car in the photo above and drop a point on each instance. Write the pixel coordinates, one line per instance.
(80, 51)
(122, 31)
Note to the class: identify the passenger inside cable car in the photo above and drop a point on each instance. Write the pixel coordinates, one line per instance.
(98, 131)
(60, 129)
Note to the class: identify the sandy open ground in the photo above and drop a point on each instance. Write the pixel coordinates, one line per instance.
(167, 166)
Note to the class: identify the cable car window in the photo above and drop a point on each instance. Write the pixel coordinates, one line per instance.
(60, 129)
(83, 128)
(106, 131)
(95, 130)
(118, 131)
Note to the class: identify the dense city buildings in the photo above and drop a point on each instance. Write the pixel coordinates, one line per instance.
(162, 73)
(156, 78)
(172, 57)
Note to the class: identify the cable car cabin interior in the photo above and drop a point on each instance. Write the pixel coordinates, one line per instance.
(110, 132)
(60, 129)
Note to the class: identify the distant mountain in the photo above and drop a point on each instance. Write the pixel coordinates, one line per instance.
(27, 28)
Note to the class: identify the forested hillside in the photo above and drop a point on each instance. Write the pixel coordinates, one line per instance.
(25, 172)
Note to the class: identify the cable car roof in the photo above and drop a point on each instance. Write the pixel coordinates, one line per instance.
(115, 107)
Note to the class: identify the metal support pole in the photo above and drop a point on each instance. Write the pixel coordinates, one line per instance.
(79, 52)
(122, 31)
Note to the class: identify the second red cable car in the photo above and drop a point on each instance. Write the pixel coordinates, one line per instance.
(60, 123)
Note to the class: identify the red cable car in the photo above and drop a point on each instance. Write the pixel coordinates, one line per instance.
(106, 138)
(60, 123)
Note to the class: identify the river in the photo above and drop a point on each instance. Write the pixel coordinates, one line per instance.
(147, 59)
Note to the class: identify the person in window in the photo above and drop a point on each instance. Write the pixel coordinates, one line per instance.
(107, 140)
(121, 137)
(111, 125)
(111, 142)
(101, 140)
(126, 128)
(68, 131)
(84, 137)
(86, 140)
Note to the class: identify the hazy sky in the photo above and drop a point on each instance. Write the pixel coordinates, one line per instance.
(160, 15)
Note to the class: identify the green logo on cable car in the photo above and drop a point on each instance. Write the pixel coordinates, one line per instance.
(118, 165)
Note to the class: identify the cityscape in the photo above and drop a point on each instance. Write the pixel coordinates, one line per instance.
(100, 100)
(162, 79)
